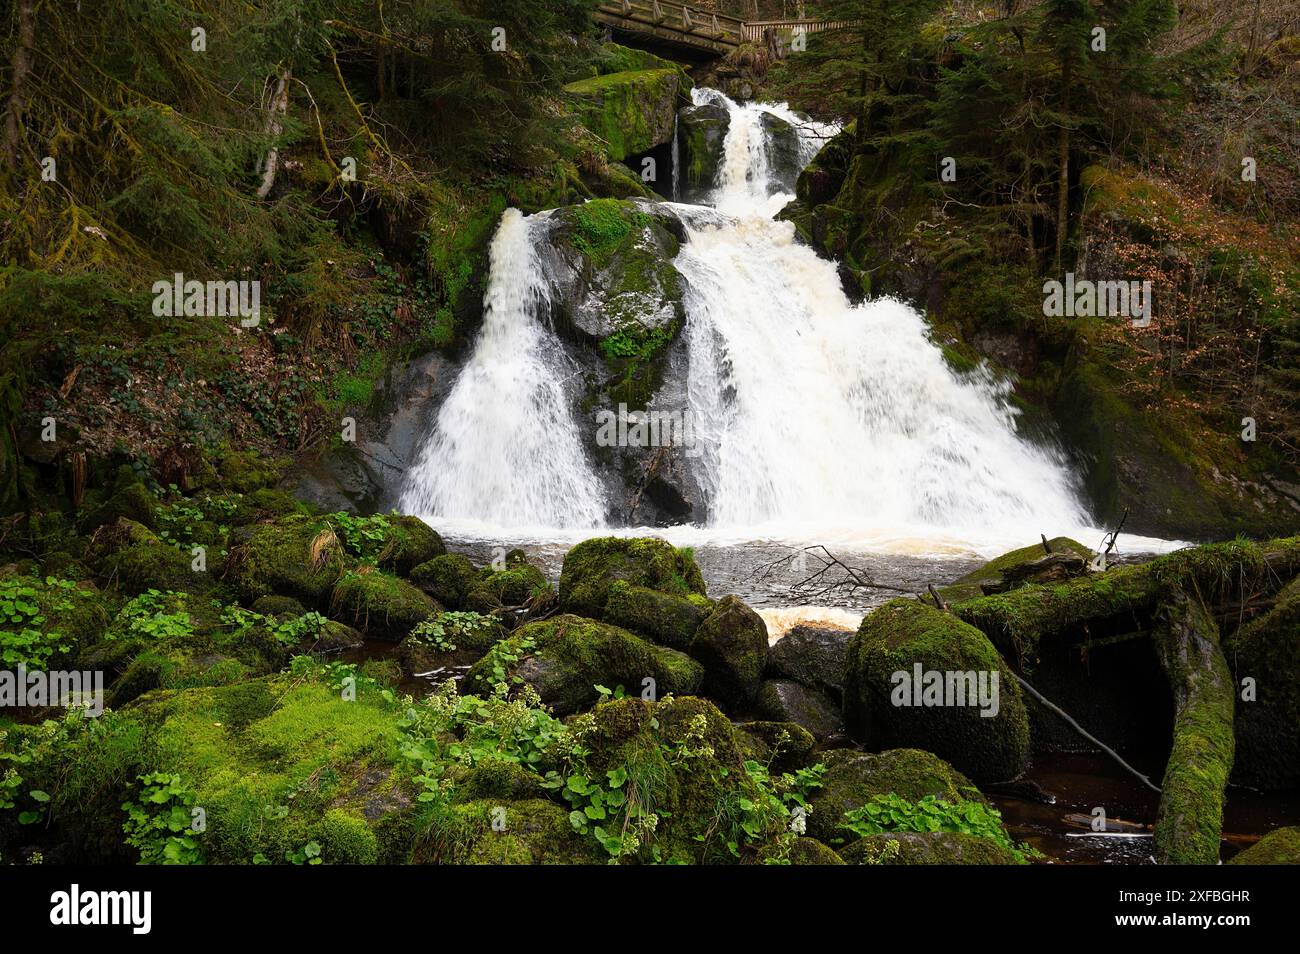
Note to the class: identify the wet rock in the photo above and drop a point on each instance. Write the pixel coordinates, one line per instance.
(812, 655)
(593, 566)
(784, 162)
(630, 111)
(379, 604)
(701, 132)
(782, 746)
(666, 618)
(784, 700)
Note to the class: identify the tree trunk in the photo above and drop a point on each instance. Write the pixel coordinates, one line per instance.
(20, 65)
(1190, 822)
(274, 126)
(1063, 193)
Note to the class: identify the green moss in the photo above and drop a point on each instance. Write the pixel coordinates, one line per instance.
(380, 605)
(666, 618)
(731, 643)
(514, 585)
(529, 832)
(926, 848)
(409, 543)
(629, 111)
(591, 567)
(969, 586)
(1279, 847)
(904, 633)
(447, 578)
(566, 657)
(294, 556)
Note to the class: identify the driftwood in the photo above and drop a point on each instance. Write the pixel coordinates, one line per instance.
(1190, 822)
(833, 578)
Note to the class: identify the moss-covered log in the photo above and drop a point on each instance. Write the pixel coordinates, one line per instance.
(1190, 821)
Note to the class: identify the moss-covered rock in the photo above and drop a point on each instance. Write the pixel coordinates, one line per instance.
(926, 848)
(447, 578)
(666, 618)
(276, 605)
(782, 746)
(731, 643)
(1279, 847)
(880, 698)
(512, 585)
(129, 499)
(630, 112)
(702, 131)
(566, 657)
(806, 851)
(47, 621)
(853, 778)
(591, 567)
(297, 556)
(1267, 650)
(410, 543)
(456, 638)
(380, 605)
(529, 832)
(1018, 567)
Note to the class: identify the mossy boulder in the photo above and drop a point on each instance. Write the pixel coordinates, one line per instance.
(685, 763)
(632, 111)
(955, 659)
(1031, 564)
(513, 584)
(926, 848)
(666, 618)
(812, 655)
(784, 700)
(498, 779)
(566, 657)
(410, 543)
(380, 605)
(133, 559)
(277, 605)
(529, 832)
(47, 621)
(1267, 650)
(297, 555)
(592, 567)
(129, 499)
(784, 152)
(456, 638)
(806, 851)
(1279, 847)
(853, 778)
(731, 644)
(248, 471)
(447, 578)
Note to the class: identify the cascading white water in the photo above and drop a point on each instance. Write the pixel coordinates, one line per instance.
(816, 419)
(505, 451)
(815, 414)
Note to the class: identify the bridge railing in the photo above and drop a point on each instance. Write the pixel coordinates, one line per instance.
(679, 18)
(754, 29)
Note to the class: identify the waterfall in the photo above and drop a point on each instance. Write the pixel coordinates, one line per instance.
(816, 419)
(813, 413)
(504, 453)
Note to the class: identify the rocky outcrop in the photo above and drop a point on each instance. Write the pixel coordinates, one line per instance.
(630, 112)
(701, 133)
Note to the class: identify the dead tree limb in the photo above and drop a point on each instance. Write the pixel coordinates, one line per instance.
(833, 578)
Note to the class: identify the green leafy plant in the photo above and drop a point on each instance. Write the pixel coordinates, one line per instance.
(891, 812)
(442, 631)
(27, 635)
(308, 854)
(154, 615)
(160, 821)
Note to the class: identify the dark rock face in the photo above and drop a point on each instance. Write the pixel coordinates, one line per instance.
(701, 132)
(783, 700)
(812, 655)
(781, 142)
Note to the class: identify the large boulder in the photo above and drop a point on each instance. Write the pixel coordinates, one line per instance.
(666, 618)
(812, 655)
(566, 657)
(447, 578)
(297, 555)
(921, 678)
(381, 605)
(632, 111)
(701, 132)
(784, 152)
(1267, 650)
(410, 542)
(493, 831)
(853, 778)
(732, 645)
(593, 566)
(784, 700)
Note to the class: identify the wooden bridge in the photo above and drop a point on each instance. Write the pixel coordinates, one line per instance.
(696, 30)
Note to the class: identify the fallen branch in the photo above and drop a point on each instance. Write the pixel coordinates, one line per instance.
(1053, 707)
(835, 577)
